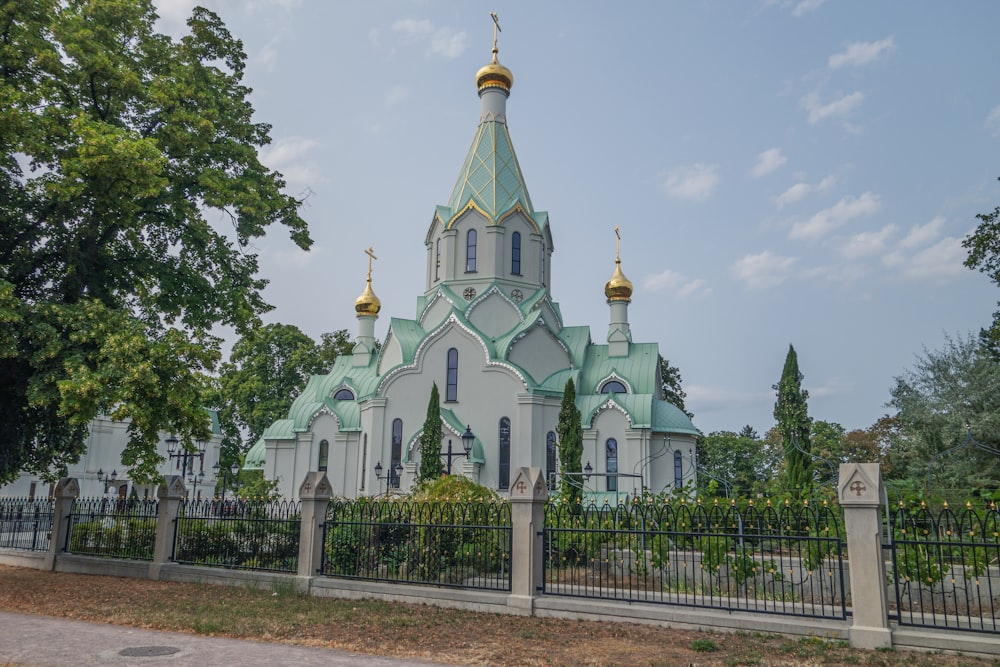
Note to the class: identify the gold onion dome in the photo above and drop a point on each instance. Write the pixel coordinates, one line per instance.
(367, 303)
(619, 288)
(494, 75)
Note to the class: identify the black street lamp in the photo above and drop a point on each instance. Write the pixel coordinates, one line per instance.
(588, 470)
(397, 472)
(106, 479)
(227, 475)
(467, 439)
(184, 456)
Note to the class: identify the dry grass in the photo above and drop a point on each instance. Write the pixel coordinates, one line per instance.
(418, 631)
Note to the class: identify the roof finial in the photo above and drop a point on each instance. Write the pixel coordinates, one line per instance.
(368, 304)
(371, 255)
(618, 246)
(496, 29)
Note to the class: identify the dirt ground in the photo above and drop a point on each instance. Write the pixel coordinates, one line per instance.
(458, 637)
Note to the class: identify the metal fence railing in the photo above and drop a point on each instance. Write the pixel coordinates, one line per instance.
(246, 535)
(784, 560)
(944, 566)
(26, 523)
(112, 528)
(461, 544)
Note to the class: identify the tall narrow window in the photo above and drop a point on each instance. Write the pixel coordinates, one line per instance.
(611, 463)
(324, 455)
(470, 251)
(397, 452)
(515, 253)
(550, 459)
(451, 390)
(437, 259)
(504, 454)
(543, 264)
(364, 461)
(678, 470)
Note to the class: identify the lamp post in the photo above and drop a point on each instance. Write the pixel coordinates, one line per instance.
(106, 479)
(183, 456)
(397, 470)
(467, 439)
(227, 475)
(194, 480)
(588, 470)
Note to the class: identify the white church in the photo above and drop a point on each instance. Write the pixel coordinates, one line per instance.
(489, 334)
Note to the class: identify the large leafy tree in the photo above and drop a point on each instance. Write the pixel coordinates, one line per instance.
(791, 410)
(130, 195)
(569, 430)
(949, 420)
(268, 367)
(673, 392)
(737, 464)
(431, 466)
(983, 245)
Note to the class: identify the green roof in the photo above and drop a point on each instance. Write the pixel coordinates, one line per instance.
(491, 178)
(643, 411)
(638, 369)
(254, 459)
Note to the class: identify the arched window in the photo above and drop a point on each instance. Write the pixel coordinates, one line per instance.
(504, 454)
(451, 389)
(397, 452)
(611, 463)
(470, 251)
(613, 387)
(437, 259)
(515, 253)
(364, 461)
(550, 459)
(678, 470)
(344, 395)
(324, 455)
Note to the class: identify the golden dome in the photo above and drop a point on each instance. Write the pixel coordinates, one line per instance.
(619, 288)
(367, 303)
(494, 75)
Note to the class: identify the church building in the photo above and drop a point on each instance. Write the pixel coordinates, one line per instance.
(489, 334)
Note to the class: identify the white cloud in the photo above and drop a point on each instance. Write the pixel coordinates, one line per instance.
(694, 183)
(289, 155)
(397, 94)
(768, 161)
(867, 243)
(838, 107)
(762, 270)
(860, 53)
(800, 190)
(924, 234)
(441, 41)
(672, 281)
(825, 221)
(805, 6)
(993, 121)
(940, 261)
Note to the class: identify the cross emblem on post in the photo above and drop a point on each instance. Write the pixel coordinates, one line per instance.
(858, 487)
(521, 486)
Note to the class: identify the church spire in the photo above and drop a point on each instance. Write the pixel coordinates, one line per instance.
(367, 307)
(618, 291)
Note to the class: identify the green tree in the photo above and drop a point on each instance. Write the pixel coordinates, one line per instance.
(119, 145)
(792, 414)
(267, 368)
(570, 433)
(983, 245)
(673, 392)
(949, 420)
(737, 463)
(827, 444)
(431, 466)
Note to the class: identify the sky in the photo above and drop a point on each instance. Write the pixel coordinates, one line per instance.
(783, 171)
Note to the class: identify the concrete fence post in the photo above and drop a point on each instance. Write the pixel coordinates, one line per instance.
(315, 495)
(528, 495)
(168, 508)
(66, 492)
(860, 493)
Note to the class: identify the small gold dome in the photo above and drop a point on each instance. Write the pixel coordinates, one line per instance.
(619, 288)
(367, 303)
(494, 75)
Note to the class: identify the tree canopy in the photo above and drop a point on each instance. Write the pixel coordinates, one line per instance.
(430, 439)
(791, 411)
(130, 195)
(983, 245)
(673, 392)
(569, 429)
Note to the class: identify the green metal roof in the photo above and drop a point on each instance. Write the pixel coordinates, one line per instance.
(643, 410)
(254, 460)
(668, 418)
(639, 369)
(491, 178)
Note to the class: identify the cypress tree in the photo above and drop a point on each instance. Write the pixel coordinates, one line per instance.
(570, 432)
(792, 413)
(430, 439)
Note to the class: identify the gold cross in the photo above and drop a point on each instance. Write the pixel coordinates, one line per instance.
(496, 28)
(371, 255)
(618, 243)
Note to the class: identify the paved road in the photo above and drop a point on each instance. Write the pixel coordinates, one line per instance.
(43, 641)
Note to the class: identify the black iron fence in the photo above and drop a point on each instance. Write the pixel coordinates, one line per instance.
(246, 535)
(944, 566)
(26, 523)
(465, 545)
(780, 560)
(112, 528)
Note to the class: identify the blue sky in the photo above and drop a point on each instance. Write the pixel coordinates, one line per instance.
(783, 171)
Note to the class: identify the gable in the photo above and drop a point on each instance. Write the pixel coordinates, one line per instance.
(540, 353)
(494, 314)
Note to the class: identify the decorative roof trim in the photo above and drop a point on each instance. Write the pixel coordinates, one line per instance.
(494, 289)
(323, 411)
(614, 376)
(471, 204)
(541, 322)
(609, 405)
(439, 294)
